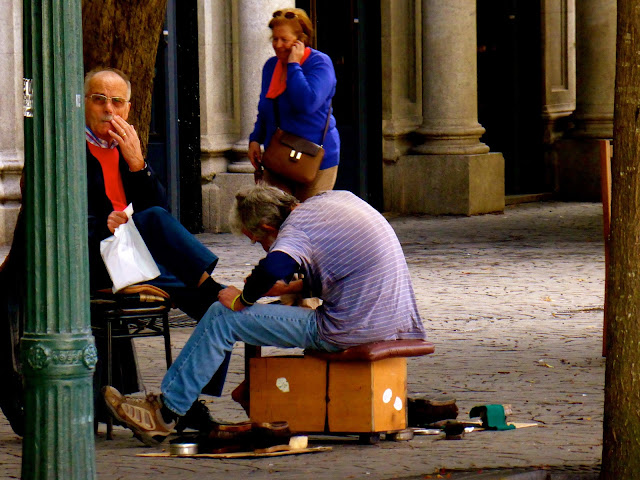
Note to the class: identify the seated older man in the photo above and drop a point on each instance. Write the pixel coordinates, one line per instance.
(117, 174)
(351, 259)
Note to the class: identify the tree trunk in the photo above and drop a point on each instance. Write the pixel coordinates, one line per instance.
(621, 439)
(124, 34)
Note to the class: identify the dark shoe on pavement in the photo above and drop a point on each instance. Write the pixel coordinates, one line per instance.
(422, 412)
(140, 415)
(197, 418)
(230, 431)
(269, 434)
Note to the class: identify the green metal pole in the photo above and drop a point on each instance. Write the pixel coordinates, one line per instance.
(59, 355)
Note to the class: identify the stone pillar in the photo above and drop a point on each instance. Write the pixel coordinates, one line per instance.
(254, 49)
(401, 76)
(11, 129)
(219, 112)
(449, 80)
(234, 44)
(452, 172)
(579, 154)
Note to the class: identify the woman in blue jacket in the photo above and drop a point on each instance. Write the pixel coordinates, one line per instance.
(297, 87)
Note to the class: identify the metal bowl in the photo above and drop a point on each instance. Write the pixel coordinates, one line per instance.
(181, 449)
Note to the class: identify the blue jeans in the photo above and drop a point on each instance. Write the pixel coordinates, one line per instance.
(182, 260)
(180, 256)
(220, 329)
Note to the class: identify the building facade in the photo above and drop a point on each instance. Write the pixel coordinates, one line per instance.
(444, 108)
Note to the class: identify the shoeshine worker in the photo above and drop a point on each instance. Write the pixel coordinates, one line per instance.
(350, 258)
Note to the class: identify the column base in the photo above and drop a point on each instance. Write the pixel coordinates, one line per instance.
(217, 198)
(577, 166)
(8, 219)
(445, 184)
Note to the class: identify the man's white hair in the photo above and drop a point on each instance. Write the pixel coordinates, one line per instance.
(100, 70)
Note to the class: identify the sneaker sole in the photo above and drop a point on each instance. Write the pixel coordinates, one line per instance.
(144, 437)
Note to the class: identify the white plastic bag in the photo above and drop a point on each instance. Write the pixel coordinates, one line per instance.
(126, 256)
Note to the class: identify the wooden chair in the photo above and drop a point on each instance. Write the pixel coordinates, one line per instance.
(606, 154)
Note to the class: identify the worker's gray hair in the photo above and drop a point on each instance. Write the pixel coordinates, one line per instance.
(259, 205)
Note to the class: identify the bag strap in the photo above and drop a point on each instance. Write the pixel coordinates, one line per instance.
(276, 109)
(326, 126)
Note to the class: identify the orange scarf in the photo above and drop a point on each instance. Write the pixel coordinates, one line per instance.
(279, 78)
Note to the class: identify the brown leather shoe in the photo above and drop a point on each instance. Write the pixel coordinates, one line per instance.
(268, 434)
(230, 431)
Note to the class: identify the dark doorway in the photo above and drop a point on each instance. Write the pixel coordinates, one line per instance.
(162, 152)
(174, 135)
(349, 32)
(509, 90)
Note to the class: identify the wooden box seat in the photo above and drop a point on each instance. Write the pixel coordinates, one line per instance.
(359, 390)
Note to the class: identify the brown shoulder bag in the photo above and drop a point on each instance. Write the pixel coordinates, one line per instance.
(294, 157)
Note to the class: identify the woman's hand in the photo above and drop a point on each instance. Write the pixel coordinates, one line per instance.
(254, 154)
(297, 52)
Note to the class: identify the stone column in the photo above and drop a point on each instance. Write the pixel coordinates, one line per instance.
(449, 79)
(11, 129)
(401, 76)
(234, 44)
(579, 155)
(451, 171)
(595, 68)
(217, 41)
(254, 49)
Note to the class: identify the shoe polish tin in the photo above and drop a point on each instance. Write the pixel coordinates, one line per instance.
(182, 449)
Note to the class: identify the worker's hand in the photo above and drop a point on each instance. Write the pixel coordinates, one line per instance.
(115, 219)
(282, 288)
(129, 143)
(227, 295)
(254, 154)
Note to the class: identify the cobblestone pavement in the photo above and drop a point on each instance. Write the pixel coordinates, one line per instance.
(513, 303)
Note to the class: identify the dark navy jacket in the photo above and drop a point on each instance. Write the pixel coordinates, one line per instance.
(141, 188)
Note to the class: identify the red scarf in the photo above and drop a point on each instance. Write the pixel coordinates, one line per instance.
(279, 78)
(109, 158)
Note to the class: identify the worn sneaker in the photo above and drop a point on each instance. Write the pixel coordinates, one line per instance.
(197, 418)
(140, 415)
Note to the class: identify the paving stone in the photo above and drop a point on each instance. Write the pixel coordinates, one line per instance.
(513, 303)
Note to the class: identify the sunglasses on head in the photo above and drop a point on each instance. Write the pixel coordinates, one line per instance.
(288, 15)
(100, 99)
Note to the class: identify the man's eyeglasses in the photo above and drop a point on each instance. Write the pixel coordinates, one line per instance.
(288, 15)
(100, 99)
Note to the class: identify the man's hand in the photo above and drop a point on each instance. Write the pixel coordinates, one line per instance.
(282, 288)
(227, 295)
(115, 219)
(254, 154)
(129, 143)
